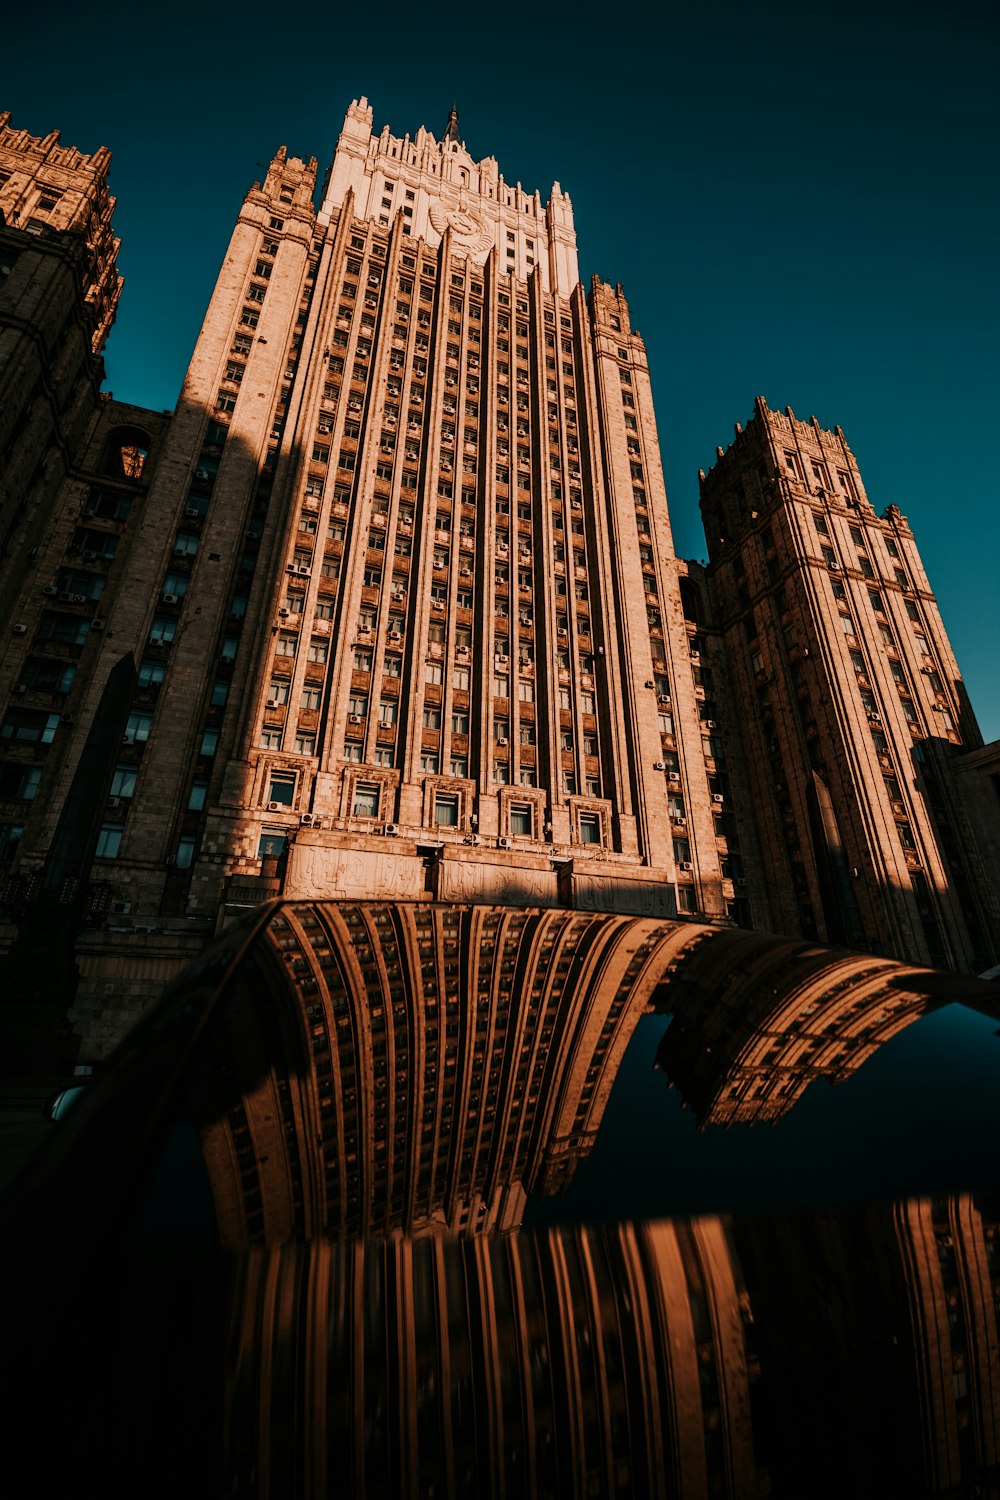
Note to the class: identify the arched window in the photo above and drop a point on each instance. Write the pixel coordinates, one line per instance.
(126, 452)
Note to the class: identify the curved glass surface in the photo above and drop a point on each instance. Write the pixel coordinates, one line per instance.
(544, 1202)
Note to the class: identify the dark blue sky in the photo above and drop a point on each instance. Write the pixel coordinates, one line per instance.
(800, 202)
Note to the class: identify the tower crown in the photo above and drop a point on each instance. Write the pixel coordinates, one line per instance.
(436, 187)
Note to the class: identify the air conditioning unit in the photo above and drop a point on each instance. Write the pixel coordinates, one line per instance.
(304, 570)
(685, 864)
(695, 655)
(354, 718)
(502, 740)
(833, 567)
(709, 724)
(20, 687)
(663, 698)
(50, 591)
(395, 635)
(503, 843)
(202, 473)
(439, 604)
(740, 881)
(128, 739)
(169, 598)
(192, 513)
(98, 623)
(121, 908)
(283, 614)
(77, 598)
(275, 807)
(90, 556)
(659, 765)
(502, 661)
(88, 511)
(673, 775)
(114, 802)
(65, 596)
(718, 797)
(20, 629)
(66, 718)
(309, 820)
(391, 830)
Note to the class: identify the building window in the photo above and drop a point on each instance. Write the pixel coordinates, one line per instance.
(273, 842)
(521, 820)
(305, 744)
(109, 841)
(366, 800)
(138, 726)
(184, 858)
(270, 739)
(198, 793)
(281, 788)
(446, 812)
(590, 828)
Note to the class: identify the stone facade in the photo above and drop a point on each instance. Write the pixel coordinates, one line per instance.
(854, 712)
(398, 579)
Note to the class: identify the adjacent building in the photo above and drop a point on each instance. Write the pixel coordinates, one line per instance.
(398, 584)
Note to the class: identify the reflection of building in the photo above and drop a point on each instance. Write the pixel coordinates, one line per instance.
(575, 1363)
(354, 1026)
(755, 1020)
(879, 1330)
(822, 1355)
(399, 581)
(951, 1255)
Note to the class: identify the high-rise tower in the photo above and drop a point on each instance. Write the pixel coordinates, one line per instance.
(59, 287)
(854, 715)
(416, 622)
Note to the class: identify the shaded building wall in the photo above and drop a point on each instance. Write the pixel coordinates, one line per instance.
(852, 705)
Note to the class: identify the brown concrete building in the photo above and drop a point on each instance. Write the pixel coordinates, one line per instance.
(398, 580)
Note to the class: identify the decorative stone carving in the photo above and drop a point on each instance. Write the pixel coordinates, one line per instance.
(315, 872)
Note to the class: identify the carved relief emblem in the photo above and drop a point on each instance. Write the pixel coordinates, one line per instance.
(466, 224)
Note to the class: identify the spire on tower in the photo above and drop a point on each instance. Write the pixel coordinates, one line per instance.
(451, 130)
